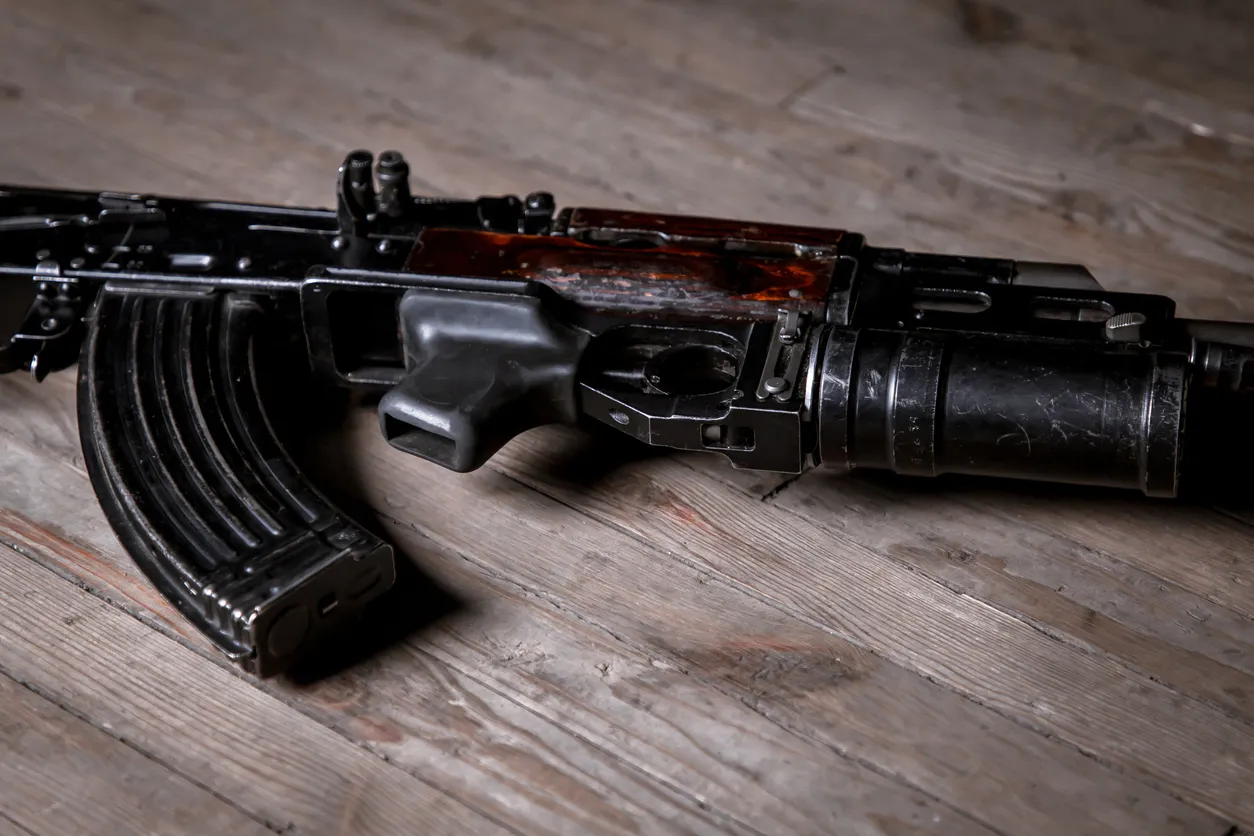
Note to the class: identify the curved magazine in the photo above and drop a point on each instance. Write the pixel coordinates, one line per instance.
(199, 490)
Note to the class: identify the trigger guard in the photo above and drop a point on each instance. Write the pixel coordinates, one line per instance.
(480, 369)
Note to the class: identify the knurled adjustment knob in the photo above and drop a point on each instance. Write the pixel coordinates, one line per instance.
(1125, 327)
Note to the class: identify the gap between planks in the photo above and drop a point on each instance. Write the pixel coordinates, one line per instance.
(178, 697)
(683, 516)
(738, 698)
(864, 705)
(63, 772)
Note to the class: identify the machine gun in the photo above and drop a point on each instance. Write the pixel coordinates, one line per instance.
(779, 347)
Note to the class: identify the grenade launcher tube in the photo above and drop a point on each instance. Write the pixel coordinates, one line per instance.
(932, 404)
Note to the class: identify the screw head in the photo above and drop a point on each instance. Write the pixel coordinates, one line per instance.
(775, 385)
(384, 246)
(243, 264)
(339, 242)
(49, 324)
(77, 263)
(539, 201)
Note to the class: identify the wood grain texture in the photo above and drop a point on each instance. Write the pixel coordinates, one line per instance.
(836, 583)
(822, 168)
(1073, 587)
(9, 827)
(59, 774)
(477, 679)
(203, 722)
(443, 725)
(716, 639)
(786, 669)
(480, 679)
(648, 646)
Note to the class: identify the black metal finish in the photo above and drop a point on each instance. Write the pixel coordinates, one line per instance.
(198, 490)
(924, 405)
(480, 369)
(778, 347)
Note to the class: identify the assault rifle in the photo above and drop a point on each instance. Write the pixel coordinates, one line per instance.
(780, 347)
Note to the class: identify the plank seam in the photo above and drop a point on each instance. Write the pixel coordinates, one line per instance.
(697, 800)
(1114, 558)
(488, 684)
(804, 88)
(1075, 643)
(1045, 629)
(718, 683)
(780, 488)
(154, 624)
(5, 817)
(1235, 516)
(780, 607)
(289, 828)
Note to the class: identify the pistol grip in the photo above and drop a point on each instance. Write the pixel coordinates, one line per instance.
(480, 369)
(198, 489)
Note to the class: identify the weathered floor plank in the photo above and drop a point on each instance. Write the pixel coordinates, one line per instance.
(1066, 140)
(203, 722)
(782, 668)
(956, 658)
(1200, 47)
(8, 827)
(375, 706)
(786, 669)
(447, 728)
(1198, 549)
(781, 153)
(635, 704)
(59, 774)
(929, 162)
(1070, 587)
(834, 582)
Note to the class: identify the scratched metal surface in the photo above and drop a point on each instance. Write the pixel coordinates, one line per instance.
(653, 276)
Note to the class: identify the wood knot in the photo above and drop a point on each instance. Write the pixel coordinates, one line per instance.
(988, 23)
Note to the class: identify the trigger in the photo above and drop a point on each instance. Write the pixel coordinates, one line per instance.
(480, 369)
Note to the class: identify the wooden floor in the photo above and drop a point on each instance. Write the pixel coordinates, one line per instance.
(661, 644)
